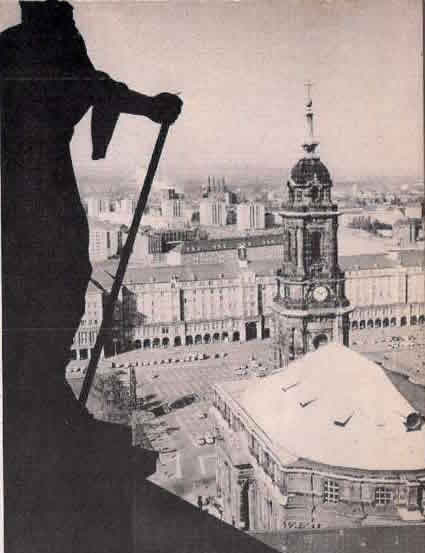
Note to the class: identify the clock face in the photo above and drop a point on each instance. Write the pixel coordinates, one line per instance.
(320, 293)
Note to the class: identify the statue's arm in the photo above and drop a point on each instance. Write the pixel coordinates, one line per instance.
(162, 108)
(113, 98)
(110, 98)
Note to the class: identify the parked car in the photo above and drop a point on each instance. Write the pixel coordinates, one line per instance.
(183, 401)
(200, 440)
(209, 438)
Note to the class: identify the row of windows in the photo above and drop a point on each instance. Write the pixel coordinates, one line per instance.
(86, 337)
(331, 488)
(386, 322)
(331, 493)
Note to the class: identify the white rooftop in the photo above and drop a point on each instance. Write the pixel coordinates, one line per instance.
(336, 407)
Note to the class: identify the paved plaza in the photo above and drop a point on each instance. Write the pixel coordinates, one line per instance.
(187, 464)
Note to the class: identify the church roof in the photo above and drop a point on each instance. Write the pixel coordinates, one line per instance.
(307, 168)
(336, 407)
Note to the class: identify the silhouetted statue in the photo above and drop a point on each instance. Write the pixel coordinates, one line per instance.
(48, 83)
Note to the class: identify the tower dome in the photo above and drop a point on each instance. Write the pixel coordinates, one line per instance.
(310, 170)
(309, 181)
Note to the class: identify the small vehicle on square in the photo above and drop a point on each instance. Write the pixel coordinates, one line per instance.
(209, 438)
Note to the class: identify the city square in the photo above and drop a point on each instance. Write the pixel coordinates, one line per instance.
(187, 464)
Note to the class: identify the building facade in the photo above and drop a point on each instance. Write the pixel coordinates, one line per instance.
(311, 307)
(235, 300)
(251, 216)
(212, 212)
(105, 240)
(221, 250)
(309, 447)
(85, 337)
(385, 290)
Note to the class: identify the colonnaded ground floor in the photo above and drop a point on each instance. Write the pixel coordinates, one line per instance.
(176, 334)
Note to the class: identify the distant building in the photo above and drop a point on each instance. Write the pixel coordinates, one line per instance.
(212, 212)
(85, 337)
(314, 445)
(105, 239)
(126, 205)
(271, 220)
(385, 290)
(168, 194)
(151, 246)
(98, 206)
(216, 187)
(172, 208)
(119, 210)
(230, 197)
(408, 231)
(251, 216)
(220, 250)
(172, 204)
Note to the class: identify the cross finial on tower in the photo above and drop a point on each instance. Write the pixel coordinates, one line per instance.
(310, 144)
(308, 86)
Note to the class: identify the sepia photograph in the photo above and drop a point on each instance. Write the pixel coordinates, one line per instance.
(213, 276)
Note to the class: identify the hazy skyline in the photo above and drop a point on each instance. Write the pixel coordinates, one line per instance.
(241, 69)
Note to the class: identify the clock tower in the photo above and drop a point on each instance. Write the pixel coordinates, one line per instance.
(310, 307)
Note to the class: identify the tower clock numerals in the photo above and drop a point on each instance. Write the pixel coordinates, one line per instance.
(320, 293)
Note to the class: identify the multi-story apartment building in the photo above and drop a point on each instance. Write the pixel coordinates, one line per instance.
(212, 212)
(85, 337)
(233, 300)
(251, 216)
(105, 239)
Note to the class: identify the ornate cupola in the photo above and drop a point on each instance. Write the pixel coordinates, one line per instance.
(310, 306)
(309, 183)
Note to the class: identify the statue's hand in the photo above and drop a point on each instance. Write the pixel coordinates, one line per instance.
(166, 108)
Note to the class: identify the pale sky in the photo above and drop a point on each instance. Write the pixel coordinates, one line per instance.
(241, 68)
